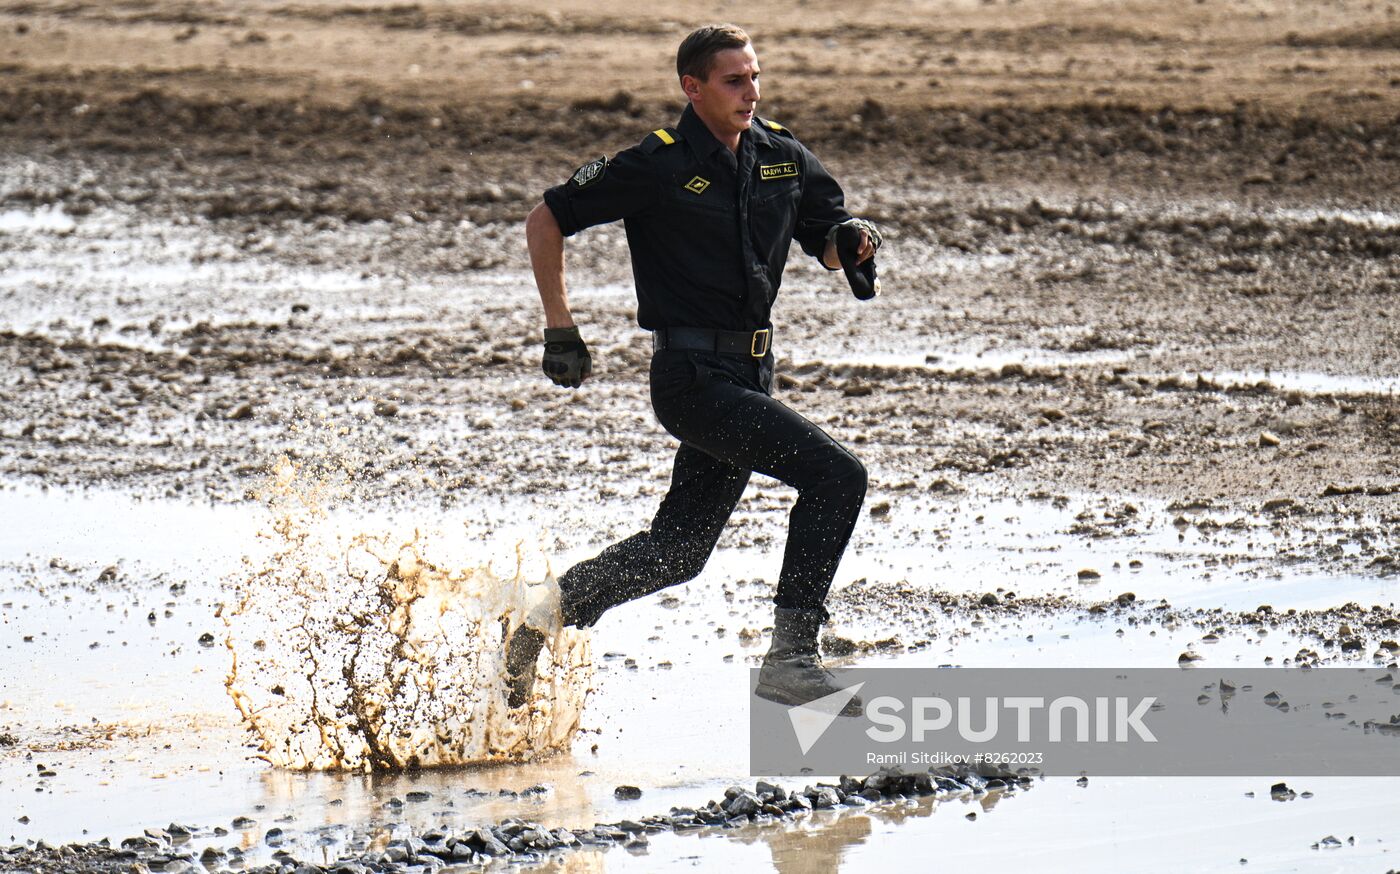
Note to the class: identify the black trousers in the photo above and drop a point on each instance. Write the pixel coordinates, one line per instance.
(720, 408)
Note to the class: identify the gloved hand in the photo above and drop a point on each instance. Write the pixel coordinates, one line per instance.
(566, 359)
(860, 272)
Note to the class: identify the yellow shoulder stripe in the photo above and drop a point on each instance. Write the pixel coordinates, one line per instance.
(664, 137)
(774, 125)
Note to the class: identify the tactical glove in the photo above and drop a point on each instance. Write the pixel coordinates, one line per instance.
(861, 276)
(566, 359)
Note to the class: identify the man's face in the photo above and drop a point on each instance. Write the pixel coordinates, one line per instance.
(725, 100)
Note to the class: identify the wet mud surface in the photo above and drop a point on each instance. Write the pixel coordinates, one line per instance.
(1129, 394)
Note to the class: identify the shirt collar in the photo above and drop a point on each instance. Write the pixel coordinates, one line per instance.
(704, 142)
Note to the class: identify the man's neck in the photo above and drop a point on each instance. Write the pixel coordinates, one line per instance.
(728, 139)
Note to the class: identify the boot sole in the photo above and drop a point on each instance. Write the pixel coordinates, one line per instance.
(521, 652)
(781, 696)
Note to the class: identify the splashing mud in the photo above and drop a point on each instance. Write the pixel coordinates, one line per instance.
(356, 650)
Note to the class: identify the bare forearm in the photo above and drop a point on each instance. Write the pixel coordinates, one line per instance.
(546, 244)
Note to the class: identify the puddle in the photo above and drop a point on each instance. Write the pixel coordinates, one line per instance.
(991, 360)
(1311, 383)
(1368, 218)
(139, 729)
(45, 219)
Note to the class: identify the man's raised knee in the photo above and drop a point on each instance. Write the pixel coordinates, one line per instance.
(851, 474)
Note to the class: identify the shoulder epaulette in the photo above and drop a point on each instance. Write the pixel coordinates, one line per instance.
(775, 127)
(661, 137)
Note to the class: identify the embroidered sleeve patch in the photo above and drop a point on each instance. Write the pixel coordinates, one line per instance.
(589, 173)
(777, 171)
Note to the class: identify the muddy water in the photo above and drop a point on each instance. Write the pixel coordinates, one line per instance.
(355, 650)
(140, 731)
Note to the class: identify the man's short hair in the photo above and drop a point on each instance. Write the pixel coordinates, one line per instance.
(696, 56)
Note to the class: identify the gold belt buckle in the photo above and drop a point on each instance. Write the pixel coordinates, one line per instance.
(754, 348)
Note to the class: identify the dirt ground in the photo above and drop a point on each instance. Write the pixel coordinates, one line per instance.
(1144, 252)
(1138, 197)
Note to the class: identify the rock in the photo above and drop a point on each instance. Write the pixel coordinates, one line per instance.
(418, 795)
(744, 804)
(242, 412)
(1087, 574)
(387, 409)
(836, 646)
(627, 793)
(989, 600)
(764, 789)
(1267, 439)
(1125, 599)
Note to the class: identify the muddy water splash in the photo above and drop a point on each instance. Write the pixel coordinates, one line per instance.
(359, 650)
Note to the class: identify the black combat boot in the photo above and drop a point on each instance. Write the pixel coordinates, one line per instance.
(546, 617)
(792, 672)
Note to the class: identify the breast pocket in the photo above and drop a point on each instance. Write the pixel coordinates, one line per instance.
(773, 213)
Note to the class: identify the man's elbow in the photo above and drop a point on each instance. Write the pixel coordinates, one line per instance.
(541, 224)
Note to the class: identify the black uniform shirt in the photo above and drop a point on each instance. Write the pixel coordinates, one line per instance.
(709, 229)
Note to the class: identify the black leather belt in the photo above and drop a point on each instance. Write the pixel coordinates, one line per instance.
(749, 344)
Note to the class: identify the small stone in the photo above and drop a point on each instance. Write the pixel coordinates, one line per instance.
(418, 795)
(1088, 573)
(387, 409)
(241, 412)
(989, 600)
(627, 793)
(1267, 439)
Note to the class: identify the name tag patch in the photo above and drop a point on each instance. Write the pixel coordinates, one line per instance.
(697, 185)
(777, 171)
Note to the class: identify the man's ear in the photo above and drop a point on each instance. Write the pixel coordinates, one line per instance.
(690, 86)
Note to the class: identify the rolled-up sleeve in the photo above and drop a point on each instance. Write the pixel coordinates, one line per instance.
(603, 191)
(823, 204)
